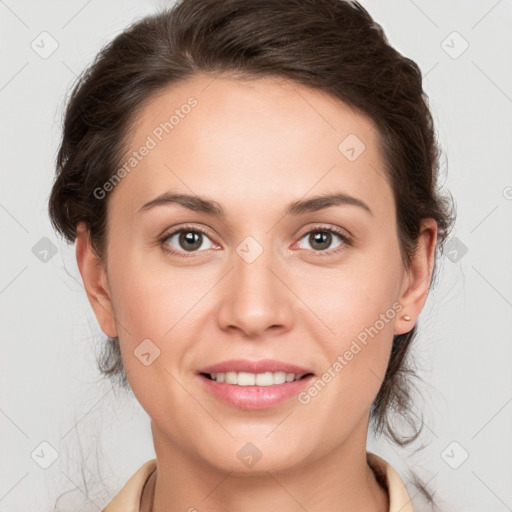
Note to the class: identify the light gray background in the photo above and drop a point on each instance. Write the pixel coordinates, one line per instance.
(51, 391)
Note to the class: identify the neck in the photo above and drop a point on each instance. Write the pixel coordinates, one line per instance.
(340, 481)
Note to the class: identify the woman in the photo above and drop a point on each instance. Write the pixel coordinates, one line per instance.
(252, 191)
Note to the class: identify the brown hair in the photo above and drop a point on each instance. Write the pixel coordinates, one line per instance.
(331, 45)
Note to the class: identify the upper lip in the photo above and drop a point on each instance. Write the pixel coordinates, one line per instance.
(261, 366)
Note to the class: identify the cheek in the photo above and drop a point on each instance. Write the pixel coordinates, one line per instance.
(359, 307)
(361, 295)
(357, 358)
(153, 306)
(151, 298)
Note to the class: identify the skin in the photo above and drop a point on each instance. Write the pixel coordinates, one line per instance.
(254, 147)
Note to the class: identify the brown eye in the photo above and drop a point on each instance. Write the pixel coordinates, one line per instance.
(186, 240)
(322, 239)
(190, 240)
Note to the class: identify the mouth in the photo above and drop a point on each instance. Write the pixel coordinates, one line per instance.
(255, 379)
(254, 385)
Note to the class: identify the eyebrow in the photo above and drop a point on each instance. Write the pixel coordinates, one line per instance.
(210, 207)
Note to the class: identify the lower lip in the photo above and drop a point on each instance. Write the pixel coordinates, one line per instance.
(255, 397)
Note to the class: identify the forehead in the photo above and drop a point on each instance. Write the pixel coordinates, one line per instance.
(267, 138)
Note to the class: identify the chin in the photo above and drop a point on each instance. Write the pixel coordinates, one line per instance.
(255, 455)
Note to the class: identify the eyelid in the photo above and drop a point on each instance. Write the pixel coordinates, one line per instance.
(344, 233)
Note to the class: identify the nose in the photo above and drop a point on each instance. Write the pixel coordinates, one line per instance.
(256, 299)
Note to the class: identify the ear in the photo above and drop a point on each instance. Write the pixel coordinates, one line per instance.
(416, 281)
(94, 277)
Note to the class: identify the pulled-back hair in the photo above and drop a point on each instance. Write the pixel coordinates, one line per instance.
(330, 45)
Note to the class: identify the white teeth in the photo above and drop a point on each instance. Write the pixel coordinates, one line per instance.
(254, 379)
(246, 379)
(231, 378)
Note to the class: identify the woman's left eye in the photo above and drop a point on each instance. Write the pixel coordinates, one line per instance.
(320, 239)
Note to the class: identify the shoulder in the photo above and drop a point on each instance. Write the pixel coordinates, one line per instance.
(399, 500)
(128, 498)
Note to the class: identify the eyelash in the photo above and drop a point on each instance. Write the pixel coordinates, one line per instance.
(347, 241)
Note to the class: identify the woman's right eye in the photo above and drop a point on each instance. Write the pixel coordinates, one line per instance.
(185, 240)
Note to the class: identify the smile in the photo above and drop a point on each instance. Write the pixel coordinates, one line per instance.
(254, 379)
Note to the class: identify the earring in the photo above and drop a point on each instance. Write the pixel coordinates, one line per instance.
(406, 318)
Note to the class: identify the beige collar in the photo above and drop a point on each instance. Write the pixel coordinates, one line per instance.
(128, 498)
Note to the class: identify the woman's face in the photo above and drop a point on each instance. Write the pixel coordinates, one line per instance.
(266, 281)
